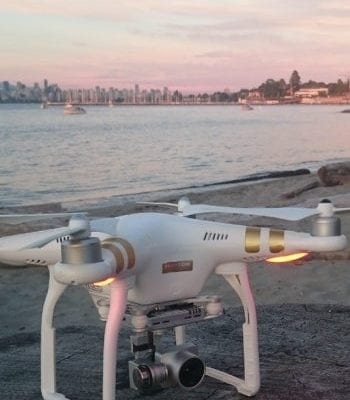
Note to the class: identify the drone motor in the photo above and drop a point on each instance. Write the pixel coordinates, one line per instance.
(326, 223)
(82, 262)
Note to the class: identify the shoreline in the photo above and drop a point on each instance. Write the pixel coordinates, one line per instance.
(123, 199)
(330, 102)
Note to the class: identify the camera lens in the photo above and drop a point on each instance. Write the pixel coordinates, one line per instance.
(150, 376)
(142, 377)
(191, 372)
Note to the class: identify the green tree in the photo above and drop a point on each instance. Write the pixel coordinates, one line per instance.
(339, 88)
(313, 84)
(243, 93)
(205, 97)
(234, 97)
(272, 89)
(294, 81)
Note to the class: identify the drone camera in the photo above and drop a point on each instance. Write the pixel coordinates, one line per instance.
(185, 368)
(179, 367)
(148, 377)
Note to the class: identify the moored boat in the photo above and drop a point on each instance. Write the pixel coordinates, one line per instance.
(246, 107)
(71, 109)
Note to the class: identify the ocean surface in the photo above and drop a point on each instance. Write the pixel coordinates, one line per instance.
(110, 153)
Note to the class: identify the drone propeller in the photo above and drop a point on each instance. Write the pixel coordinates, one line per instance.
(82, 260)
(181, 205)
(78, 228)
(185, 208)
(14, 219)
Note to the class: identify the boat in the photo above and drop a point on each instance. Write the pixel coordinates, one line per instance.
(71, 109)
(246, 107)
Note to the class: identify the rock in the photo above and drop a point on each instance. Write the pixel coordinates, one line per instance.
(299, 190)
(334, 174)
(261, 176)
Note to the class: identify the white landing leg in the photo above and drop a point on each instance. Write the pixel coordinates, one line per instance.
(48, 355)
(118, 299)
(236, 275)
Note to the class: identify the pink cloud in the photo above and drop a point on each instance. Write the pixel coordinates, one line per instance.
(188, 44)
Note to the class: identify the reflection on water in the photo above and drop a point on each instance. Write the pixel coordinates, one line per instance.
(47, 156)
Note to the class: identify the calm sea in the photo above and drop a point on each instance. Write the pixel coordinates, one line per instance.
(46, 156)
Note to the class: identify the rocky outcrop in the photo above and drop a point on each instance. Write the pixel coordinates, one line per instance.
(334, 174)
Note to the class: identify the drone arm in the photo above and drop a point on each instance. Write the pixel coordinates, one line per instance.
(118, 299)
(236, 275)
(48, 356)
(295, 241)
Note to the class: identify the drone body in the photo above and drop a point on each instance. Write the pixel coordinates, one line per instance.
(158, 264)
(153, 246)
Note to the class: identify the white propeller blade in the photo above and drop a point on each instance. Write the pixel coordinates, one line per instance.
(290, 213)
(155, 203)
(286, 213)
(341, 210)
(14, 219)
(181, 204)
(78, 225)
(185, 208)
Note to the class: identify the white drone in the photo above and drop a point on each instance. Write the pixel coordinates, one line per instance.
(150, 268)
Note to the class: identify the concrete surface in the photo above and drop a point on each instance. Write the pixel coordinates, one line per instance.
(304, 355)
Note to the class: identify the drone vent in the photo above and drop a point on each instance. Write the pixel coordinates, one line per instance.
(62, 239)
(215, 236)
(36, 261)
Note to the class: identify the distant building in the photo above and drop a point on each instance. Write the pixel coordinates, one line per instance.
(255, 95)
(311, 92)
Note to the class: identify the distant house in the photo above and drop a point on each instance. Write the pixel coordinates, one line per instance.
(255, 95)
(311, 92)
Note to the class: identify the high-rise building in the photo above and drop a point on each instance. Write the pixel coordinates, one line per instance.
(137, 93)
(6, 86)
(166, 95)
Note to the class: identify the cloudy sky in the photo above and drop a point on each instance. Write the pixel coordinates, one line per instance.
(193, 45)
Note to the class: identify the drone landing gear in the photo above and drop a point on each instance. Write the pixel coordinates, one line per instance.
(119, 290)
(48, 356)
(236, 275)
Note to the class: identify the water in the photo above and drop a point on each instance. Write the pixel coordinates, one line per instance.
(50, 157)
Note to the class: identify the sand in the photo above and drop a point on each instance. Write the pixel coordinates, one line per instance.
(324, 280)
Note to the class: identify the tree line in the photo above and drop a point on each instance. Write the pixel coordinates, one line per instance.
(276, 89)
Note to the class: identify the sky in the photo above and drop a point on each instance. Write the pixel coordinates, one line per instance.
(192, 45)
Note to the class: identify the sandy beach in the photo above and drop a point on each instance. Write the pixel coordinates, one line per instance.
(323, 280)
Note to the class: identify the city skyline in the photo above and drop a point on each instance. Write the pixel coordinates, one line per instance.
(195, 45)
(269, 92)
